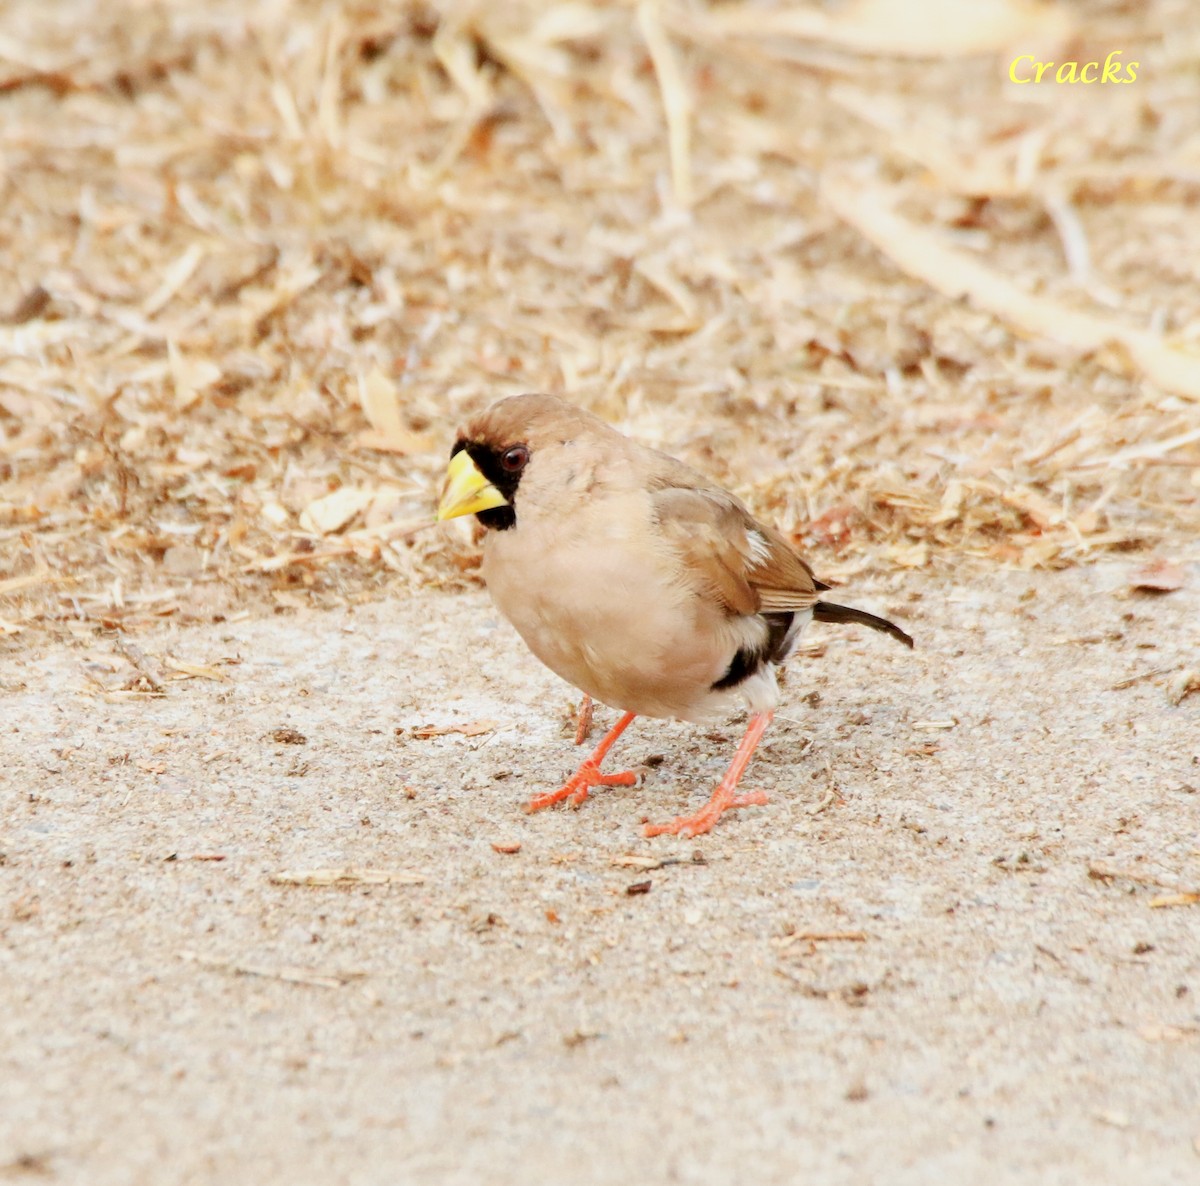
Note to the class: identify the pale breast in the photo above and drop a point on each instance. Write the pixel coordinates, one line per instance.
(601, 603)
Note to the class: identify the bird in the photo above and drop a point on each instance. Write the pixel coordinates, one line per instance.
(636, 579)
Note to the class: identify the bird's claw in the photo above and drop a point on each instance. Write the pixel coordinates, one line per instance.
(575, 789)
(689, 826)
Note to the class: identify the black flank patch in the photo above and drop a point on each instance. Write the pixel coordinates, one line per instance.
(749, 660)
(745, 663)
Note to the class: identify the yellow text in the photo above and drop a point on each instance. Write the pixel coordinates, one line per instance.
(1027, 68)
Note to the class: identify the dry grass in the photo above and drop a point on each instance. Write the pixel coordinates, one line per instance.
(261, 257)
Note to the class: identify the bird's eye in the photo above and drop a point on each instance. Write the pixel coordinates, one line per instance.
(514, 459)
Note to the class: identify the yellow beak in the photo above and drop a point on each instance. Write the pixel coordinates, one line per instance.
(467, 491)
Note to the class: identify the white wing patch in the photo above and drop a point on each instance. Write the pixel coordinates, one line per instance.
(760, 550)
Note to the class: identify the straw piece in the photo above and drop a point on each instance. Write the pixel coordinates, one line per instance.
(921, 254)
(945, 28)
(350, 875)
(676, 100)
(258, 255)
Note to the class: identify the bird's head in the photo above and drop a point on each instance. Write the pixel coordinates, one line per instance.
(518, 439)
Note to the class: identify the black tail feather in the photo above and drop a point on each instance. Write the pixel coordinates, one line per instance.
(825, 611)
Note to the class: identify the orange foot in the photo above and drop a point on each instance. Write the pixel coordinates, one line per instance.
(724, 797)
(575, 790)
(704, 819)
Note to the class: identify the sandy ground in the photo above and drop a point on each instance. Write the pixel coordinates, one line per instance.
(1005, 1015)
(259, 260)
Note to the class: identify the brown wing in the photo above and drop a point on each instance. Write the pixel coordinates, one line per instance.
(727, 553)
(784, 581)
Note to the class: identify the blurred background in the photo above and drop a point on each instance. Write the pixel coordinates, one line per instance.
(260, 258)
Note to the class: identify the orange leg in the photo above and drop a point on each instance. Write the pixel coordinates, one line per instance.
(588, 774)
(583, 723)
(723, 798)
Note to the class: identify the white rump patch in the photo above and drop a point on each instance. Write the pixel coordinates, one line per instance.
(761, 690)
